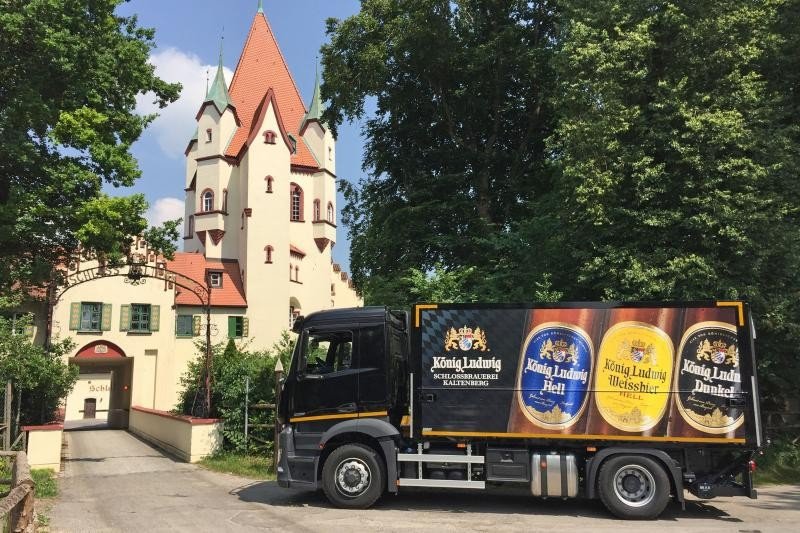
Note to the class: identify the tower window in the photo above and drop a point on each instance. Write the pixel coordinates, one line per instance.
(225, 200)
(207, 200)
(269, 137)
(269, 180)
(268, 251)
(331, 218)
(208, 135)
(296, 203)
(316, 210)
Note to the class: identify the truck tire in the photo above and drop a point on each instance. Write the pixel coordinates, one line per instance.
(633, 486)
(353, 476)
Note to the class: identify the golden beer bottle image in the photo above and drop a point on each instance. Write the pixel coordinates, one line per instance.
(555, 370)
(633, 373)
(707, 375)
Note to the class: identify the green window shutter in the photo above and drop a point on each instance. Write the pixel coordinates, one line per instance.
(155, 317)
(245, 327)
(231, 327)
(196, 325)
(105, 320)
(74, 315)
(124, 317)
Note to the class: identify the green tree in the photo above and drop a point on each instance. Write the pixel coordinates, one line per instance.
(40, 379)
(455, 150)
(232, 366)
(677, 174)
(70, 71)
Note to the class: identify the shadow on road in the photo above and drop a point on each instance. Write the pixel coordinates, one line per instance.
(505, 502)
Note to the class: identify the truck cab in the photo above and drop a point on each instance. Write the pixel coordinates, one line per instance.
(346, 381)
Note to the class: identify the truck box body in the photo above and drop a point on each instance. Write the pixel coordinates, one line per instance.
(666, 373)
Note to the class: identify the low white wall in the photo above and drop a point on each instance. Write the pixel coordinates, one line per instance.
(187, 438)
(44, 446)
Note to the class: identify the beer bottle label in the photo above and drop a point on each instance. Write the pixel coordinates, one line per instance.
(709, 374)
(633, 376)
(555, 375)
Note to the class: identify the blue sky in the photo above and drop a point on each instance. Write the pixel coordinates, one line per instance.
(188, 38)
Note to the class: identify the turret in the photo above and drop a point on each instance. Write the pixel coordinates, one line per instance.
(316, 133)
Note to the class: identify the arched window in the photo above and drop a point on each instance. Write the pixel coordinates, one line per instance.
(224, 200)
(207, 200)
(268, 179)
(316, 210)
(297, 273)
(291, 271)
(268, 251)
(190, 226)
(331, 213)
(296, 203)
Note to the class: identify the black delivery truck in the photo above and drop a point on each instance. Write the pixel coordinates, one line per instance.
(632, 403)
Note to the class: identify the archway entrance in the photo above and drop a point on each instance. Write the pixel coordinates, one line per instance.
(102, 396)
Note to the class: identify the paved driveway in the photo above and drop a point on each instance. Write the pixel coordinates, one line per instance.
(115, 482)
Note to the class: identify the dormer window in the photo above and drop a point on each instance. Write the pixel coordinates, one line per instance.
(208, 135)
(207, 201)
(215, 279)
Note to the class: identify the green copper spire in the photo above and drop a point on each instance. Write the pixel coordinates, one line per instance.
(218, 92)
(260, 6)
(315, 108)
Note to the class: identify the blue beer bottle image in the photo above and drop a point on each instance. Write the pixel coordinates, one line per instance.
(554, 375)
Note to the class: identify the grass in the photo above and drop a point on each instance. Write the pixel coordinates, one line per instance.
(252, 466)
(46, 484)
(780, 463)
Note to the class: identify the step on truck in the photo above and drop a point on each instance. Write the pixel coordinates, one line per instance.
(633, 403)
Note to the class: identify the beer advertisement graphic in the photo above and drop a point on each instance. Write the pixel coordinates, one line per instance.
(555, 373)
(634, 374)
(707, 376)
(648, 371)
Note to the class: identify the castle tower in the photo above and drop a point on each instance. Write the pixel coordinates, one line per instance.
(261, 187)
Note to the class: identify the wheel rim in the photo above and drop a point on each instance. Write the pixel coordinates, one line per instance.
(634, 485)
(353, 477)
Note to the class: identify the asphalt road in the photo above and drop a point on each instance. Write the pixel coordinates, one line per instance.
(115, 482)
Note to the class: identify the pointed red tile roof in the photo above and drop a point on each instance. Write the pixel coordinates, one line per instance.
(261, 67)
(194, 266)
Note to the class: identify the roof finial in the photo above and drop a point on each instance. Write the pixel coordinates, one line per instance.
(208, 74)
(260, 6)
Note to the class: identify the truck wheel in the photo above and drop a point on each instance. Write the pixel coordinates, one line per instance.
(634, 487)
(353, 476)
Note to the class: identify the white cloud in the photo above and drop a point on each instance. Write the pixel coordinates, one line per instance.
(176, 123)
(165, 209)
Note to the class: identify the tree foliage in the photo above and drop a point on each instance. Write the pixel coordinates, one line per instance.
(69, 75)
(456, 147)
(40, 379)
(634, 150)
(232, 365)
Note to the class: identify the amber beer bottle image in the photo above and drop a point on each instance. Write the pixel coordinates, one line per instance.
(555, 370)
(707, 375)
(633, 376)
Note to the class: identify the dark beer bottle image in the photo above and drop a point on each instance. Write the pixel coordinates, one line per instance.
(555, 371)
(707, 374)
(633, 375)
